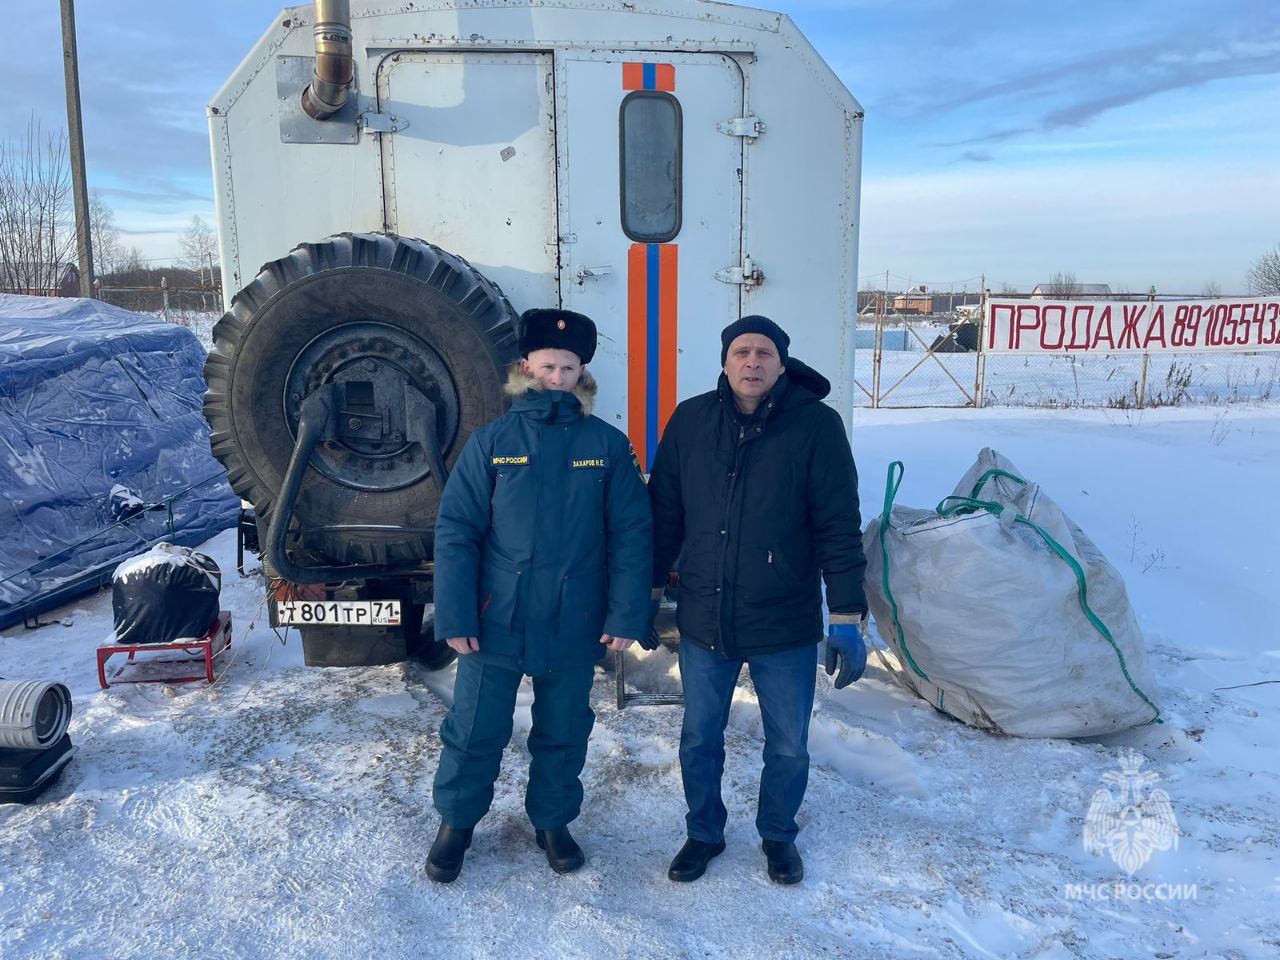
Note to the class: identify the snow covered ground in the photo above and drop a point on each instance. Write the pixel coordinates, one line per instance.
(285, 812)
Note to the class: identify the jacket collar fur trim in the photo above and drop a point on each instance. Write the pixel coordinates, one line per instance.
(519, 383)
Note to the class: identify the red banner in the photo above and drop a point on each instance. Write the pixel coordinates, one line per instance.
(1108, 326)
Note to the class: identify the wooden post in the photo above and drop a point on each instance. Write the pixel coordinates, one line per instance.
(71, 72)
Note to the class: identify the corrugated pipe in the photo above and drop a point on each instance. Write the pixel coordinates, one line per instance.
(33, 713)
(330, 88)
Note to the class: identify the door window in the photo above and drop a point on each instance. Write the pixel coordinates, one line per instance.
(650, 132)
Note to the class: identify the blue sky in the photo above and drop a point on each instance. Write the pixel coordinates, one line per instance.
(1130, 142)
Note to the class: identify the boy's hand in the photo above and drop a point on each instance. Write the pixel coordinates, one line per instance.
(463, 645)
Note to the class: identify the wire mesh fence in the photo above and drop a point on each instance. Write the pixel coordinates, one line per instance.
(938, 362)
(197, 309)
(159, 299)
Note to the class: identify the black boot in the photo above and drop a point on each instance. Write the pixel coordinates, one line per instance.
(444, 862)
(691, 862)
(785, 865)
(564, 855)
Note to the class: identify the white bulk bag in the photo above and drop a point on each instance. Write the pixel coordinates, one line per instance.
(1003, 613)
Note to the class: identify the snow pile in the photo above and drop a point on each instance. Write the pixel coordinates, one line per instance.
(161, 555)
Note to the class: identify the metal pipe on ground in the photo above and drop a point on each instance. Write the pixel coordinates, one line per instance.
(34, 714)
(330, 87)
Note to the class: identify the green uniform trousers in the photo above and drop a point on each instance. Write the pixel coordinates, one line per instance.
(478, 727)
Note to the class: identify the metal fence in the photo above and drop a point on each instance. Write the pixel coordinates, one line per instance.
(163, 299)
(938, 361)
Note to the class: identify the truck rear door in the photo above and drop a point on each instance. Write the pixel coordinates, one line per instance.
(650, 195)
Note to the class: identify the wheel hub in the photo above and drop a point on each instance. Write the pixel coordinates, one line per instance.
(381, 373)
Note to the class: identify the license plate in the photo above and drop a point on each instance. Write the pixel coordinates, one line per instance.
(338, 613)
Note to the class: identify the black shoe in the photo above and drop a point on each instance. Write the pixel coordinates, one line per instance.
(691, 862)
(444, 862)
(563, 853)
(785, 865)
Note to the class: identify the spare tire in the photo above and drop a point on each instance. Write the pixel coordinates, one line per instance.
(391, 322)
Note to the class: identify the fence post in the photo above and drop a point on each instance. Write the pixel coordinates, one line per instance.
(1146, 357)
(980, 372)
(877, 356)
(164, 293)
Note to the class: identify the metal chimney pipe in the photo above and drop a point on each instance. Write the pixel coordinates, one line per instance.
(330, 88)
(33, 714)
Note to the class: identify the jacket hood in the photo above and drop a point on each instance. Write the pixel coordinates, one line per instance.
(519, 383)
(802, 379)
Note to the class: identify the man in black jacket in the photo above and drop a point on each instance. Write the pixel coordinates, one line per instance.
(754, 488)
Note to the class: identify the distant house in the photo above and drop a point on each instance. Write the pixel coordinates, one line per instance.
(1046, 291)
(913, 301)
(40, 279)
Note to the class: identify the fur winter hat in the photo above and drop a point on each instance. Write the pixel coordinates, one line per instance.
(552, 329)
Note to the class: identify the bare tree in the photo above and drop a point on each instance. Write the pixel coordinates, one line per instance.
(1264, 276)
(1008, 288)
(1063, 286)
(1211, 289)
(131, 261)
(199, 246)
(107, 252)
(37, 233)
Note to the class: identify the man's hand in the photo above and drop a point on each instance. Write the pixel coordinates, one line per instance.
(615, 643)
(463, 645)
(846, 648)
(651, 640)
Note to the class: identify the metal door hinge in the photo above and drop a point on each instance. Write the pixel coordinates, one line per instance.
(750, 127)
(374, 122)
(748, 274)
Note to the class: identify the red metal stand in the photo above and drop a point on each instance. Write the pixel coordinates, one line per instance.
(215, 642)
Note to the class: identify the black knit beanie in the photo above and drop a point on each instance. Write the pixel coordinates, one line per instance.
(754, 324)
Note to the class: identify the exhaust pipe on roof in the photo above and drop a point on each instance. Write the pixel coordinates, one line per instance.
(330, 87)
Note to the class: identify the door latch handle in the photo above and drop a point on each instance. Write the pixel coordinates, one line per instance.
(592, 273)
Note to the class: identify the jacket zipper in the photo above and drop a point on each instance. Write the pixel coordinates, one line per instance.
(724, 540)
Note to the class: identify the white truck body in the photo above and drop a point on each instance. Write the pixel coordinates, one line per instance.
(498, 131)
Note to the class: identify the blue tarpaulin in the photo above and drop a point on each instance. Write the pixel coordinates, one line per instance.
(103, 447)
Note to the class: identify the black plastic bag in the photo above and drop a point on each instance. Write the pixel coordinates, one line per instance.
(166, 594)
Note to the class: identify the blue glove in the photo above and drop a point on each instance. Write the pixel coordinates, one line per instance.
(847, 649)
(651, 640)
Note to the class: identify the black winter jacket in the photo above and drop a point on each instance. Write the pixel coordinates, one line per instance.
(755, 508)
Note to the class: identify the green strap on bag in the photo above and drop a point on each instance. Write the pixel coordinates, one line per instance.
(890, 491)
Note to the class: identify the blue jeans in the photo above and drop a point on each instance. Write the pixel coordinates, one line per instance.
(784, 683)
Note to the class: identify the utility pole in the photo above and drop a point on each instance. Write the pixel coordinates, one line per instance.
(75, 132)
